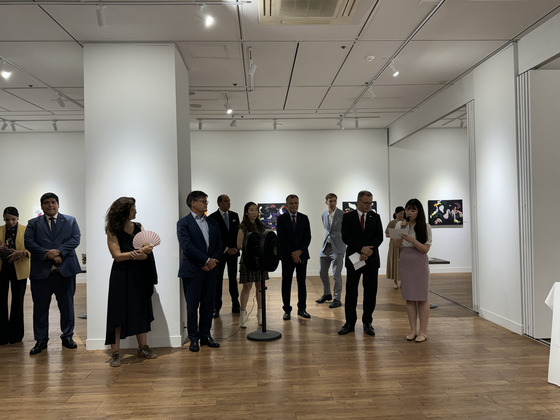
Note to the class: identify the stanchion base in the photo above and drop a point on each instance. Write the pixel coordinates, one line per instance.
(264, 336)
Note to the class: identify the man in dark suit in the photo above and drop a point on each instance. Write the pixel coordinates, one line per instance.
(294, 237)
(52, 239)
(199, 238)
(228, 222)
(362, 232)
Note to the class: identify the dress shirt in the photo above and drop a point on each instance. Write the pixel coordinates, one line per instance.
(203, 225)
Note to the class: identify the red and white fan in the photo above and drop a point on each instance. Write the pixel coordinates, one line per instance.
(145, 237)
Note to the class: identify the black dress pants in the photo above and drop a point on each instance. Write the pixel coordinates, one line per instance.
(369, 282)
(11, 327)
(288, 267)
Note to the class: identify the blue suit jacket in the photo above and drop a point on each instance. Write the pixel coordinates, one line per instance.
(65, 237)
(193, 245)
(291, 241)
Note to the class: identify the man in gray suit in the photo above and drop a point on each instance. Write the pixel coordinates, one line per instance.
(332, 251)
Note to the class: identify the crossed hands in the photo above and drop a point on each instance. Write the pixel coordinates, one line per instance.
(14, 254)
(366, 252)
(210, 265)
(296, 256)
(54, 254)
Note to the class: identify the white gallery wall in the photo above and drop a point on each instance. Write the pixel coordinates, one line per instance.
(33, 164)
(433, 164)
(544, 88)
(266, 166)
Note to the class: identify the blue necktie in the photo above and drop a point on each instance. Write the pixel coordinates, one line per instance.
(226, 219)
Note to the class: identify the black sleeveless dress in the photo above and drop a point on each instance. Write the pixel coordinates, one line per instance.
(131, 286)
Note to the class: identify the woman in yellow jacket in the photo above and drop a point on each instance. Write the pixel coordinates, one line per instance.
(14, 269)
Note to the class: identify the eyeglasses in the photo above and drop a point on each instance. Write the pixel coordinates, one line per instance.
(203, 201)
(367, 203)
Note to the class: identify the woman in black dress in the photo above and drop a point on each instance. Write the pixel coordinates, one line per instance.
(131, 285)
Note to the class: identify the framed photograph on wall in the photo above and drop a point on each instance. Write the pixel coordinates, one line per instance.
(445, 212)
(269, 212)
(348, 206)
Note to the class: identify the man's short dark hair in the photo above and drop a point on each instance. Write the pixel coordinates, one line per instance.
(194, 196)
(364, 193)
(291, 196)
(329, 196)
(220, 198)
(48, 195)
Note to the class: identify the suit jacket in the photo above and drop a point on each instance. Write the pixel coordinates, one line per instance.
(65, 237)
(229, 237)
(21, 266)
(193, 245)
(356, 239)
(334, 231)
(291, 241)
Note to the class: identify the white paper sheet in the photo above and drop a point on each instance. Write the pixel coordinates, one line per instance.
(355, 260)
(396, 233)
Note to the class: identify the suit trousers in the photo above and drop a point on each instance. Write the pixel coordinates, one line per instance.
(288, 267)
(42, 290)
(200, 293)
(11, 329)
(231, 262)
(369, 282)
(327, 257)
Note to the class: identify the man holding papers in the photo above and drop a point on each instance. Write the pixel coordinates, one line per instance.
(362, 232)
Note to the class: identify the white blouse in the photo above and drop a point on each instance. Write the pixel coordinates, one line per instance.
(409, 230)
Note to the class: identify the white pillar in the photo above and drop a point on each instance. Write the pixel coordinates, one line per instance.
(136, 138)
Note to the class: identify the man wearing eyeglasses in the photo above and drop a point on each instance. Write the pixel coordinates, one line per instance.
(200, 241)
(362, 232)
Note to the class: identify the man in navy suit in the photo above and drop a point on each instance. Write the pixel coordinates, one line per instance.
(294, 237)
(228, 222)
(199, 238)
(362, 232)
(52, 239)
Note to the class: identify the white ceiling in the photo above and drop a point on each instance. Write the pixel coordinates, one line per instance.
(307, 77)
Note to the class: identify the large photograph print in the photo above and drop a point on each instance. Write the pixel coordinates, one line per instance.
(445, 212)
(269, 212)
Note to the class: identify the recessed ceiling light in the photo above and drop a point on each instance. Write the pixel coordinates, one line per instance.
(370, 58)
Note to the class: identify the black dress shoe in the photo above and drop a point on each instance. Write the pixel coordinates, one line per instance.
(324, 298)
(335, 304)
(286, 316)
(303, 313)
(210, 342)
(194, 347)
(69, 343)
(39, 347)
(346, 328)
(216, 314)
(236, 310)
(368, 329)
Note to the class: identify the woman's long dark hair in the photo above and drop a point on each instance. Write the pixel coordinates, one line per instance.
(118, 214)
(247, 223)
(420, 225)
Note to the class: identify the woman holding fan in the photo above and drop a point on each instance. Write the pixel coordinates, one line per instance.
(131, 284)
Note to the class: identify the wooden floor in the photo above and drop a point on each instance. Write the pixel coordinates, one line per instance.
(468, 369)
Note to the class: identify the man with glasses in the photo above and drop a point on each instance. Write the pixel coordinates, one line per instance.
(199, 238)
(362, 232)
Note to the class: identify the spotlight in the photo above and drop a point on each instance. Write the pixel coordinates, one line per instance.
(60, 101)
(252, 70)
(4, 125)
(54, 126)
(275, 124)
(203, 17)
(228, 108)
(200, 124)
(13, 126)
(340, 125)
(394, 69)
(5, 73)
(233, 123)
(356, 124)
(370, 91)
(101, 17)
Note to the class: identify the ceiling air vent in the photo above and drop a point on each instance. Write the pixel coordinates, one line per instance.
(306, 12)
